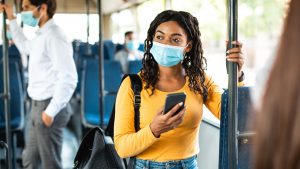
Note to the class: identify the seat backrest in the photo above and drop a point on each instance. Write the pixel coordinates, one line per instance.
(119, 47)
(244, 145)
(95, 48)
(13, 50)
(141, 47)
(109, 100)
(90, 92)
(16, 97)
(85, 49)
(112, 76)
(109, 50)
(134, 66)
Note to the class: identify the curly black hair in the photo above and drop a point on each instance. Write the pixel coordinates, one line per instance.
(194, 62)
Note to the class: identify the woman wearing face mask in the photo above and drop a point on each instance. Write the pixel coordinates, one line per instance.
(173, 62)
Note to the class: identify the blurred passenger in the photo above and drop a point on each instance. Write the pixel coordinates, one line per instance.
(129, 52)
(277, 143)
(173, 62)
(9, 36)
(52, 81)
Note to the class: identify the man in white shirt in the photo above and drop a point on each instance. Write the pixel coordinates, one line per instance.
(51, 82)
(130, 51)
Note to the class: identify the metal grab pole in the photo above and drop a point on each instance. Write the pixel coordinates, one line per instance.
(87, 3)
(232, 87)
(101, 83)
(6, 94)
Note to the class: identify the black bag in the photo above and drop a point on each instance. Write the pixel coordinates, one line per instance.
(97, 151)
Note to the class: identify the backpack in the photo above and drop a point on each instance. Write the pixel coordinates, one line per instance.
(97, 150)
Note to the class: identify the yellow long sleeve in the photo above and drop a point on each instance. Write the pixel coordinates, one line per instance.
(128, 143)
(180, 143)
(213, 102)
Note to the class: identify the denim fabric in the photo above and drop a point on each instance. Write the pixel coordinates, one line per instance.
(189, 163)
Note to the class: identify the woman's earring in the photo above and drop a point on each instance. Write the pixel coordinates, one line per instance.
(185, 56)
(188, 58)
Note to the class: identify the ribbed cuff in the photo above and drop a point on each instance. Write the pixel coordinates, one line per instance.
(150, 134)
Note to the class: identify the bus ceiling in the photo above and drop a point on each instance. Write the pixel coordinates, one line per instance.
(79, 6)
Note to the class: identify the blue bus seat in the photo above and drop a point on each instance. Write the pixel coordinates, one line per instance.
(95, 48)
(119, 47)
(16, 98)
(15, 56)
(244, 144)
(75, 45)
(141, 47)
(17, 59)
(90, 91)
(13, 50)
(17, 110)
(112, 76)
(134, 66)
(109, 101)
(109, 50)
(79, 67)
(85, 48)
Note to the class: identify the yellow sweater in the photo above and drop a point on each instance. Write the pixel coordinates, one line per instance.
(176, 144)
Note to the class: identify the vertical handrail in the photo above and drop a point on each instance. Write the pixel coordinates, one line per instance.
(232, 87)
(101, 73)
(6, 89)
(87, 4)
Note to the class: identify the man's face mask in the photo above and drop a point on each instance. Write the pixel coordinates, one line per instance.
(167, 55)
(28, 18)
(9, 35)
(132, 45)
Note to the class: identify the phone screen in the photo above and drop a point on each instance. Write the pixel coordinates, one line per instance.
(172, 100)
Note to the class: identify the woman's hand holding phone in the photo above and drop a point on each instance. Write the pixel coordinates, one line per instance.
(168, 121)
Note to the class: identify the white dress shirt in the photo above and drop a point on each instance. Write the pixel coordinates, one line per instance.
(51, 68)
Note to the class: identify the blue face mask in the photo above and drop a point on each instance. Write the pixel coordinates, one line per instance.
(166, 55)
(132, 45)
(9, 35)
(28, 18)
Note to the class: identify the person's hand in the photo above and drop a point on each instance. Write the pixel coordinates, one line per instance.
(165, 122)
(9, 11)
(236, 55)
(47, 120)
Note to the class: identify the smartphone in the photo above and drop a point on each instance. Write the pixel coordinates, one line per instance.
(172, 100)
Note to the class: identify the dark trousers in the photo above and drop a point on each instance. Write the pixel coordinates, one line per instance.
(44, 144)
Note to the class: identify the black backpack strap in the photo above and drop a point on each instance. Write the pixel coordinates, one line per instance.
(136, 85)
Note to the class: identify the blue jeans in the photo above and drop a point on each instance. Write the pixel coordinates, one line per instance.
(189, 163)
